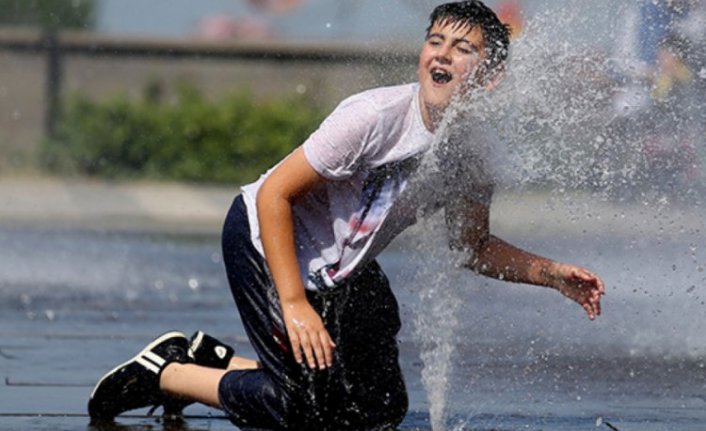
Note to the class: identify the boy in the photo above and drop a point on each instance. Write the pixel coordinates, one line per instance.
(300, 244)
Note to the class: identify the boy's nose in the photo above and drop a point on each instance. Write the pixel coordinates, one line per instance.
(443, 54)
(443, 59)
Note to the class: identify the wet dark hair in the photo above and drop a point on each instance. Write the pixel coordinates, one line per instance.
(473, 13)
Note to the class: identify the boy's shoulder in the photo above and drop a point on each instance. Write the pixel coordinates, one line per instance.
(383, 98)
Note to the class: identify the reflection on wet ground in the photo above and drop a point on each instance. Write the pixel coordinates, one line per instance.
(75, 303)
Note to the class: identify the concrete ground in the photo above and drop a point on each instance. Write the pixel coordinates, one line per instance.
(31, 398)
(170, 207)
(183, 208)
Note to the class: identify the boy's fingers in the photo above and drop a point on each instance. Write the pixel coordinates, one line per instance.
(595, 307)
(318, 352)
(328, 348)
(296, 347)
(318, 348)
(308, 350)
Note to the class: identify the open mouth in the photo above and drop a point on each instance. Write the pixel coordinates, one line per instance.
(441, 76)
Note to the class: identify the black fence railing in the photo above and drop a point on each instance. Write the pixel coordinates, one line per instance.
(58, 45)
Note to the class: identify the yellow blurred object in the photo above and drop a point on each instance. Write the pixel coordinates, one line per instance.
(671, 71)
(509, 12)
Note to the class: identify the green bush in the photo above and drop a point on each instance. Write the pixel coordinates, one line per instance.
(190, 139)
(49, 14)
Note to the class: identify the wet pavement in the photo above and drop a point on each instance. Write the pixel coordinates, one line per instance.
(90, 272)
(100, 205)
(65, 327)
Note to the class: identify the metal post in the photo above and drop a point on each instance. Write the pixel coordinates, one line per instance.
(53, 82)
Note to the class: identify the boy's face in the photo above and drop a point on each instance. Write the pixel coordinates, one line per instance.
(449, 53)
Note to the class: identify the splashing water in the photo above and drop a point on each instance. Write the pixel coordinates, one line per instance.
(551, 111)
(561, 114)
(556, 121)
(436, 318)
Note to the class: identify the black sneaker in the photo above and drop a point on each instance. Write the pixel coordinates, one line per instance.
(135, 383)
(206, 351)
(210, 352)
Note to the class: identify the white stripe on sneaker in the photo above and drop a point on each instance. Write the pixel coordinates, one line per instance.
(158, 360)
(196, 343)
(147, 364)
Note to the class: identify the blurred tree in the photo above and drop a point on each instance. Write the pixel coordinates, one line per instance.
(48, 14)
(51, 16)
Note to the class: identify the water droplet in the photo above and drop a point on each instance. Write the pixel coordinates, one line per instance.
(25, 299)
(193, 284)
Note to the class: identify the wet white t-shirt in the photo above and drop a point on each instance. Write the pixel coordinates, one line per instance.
(366, 148)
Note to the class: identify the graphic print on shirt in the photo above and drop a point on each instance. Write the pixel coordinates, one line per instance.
(382, 188)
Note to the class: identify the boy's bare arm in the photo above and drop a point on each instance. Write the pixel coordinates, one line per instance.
(496, 258)
(309, 338)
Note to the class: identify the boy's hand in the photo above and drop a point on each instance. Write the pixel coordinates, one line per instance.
(580, 285)
(308, 335)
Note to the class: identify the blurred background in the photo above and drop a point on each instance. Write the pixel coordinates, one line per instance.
(133, 89)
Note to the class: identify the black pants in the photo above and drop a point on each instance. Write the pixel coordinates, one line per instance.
(363, 390)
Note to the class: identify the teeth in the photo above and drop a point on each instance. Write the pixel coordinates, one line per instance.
(440, 75)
